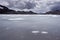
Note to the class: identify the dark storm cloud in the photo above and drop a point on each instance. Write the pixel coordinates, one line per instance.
(56, 6)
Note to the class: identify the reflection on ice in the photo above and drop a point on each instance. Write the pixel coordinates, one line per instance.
(57, 38)
(4, 17)
(22, 36)
(16, 19)
(7, 28)
(35, 31)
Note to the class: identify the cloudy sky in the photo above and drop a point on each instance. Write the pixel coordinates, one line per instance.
(38, 6)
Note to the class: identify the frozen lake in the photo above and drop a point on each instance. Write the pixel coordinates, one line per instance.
(29, 27)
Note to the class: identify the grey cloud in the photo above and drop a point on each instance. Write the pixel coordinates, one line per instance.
(21, 5)
(25, 5)
(33, 5)
(30, 5)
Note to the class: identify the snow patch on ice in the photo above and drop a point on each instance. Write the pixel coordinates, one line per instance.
(44, 32)
(35, 31)
(16, 19)
(54, 16)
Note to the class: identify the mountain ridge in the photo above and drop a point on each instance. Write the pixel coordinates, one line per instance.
(6, 10)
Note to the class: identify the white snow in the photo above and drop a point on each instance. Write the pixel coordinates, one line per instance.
(35, 32)
(44, 32)
(16, 19)
(54, 16)
(30, 15)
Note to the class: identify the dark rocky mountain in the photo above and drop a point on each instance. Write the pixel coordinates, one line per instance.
(5, 10)
(54, 12)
